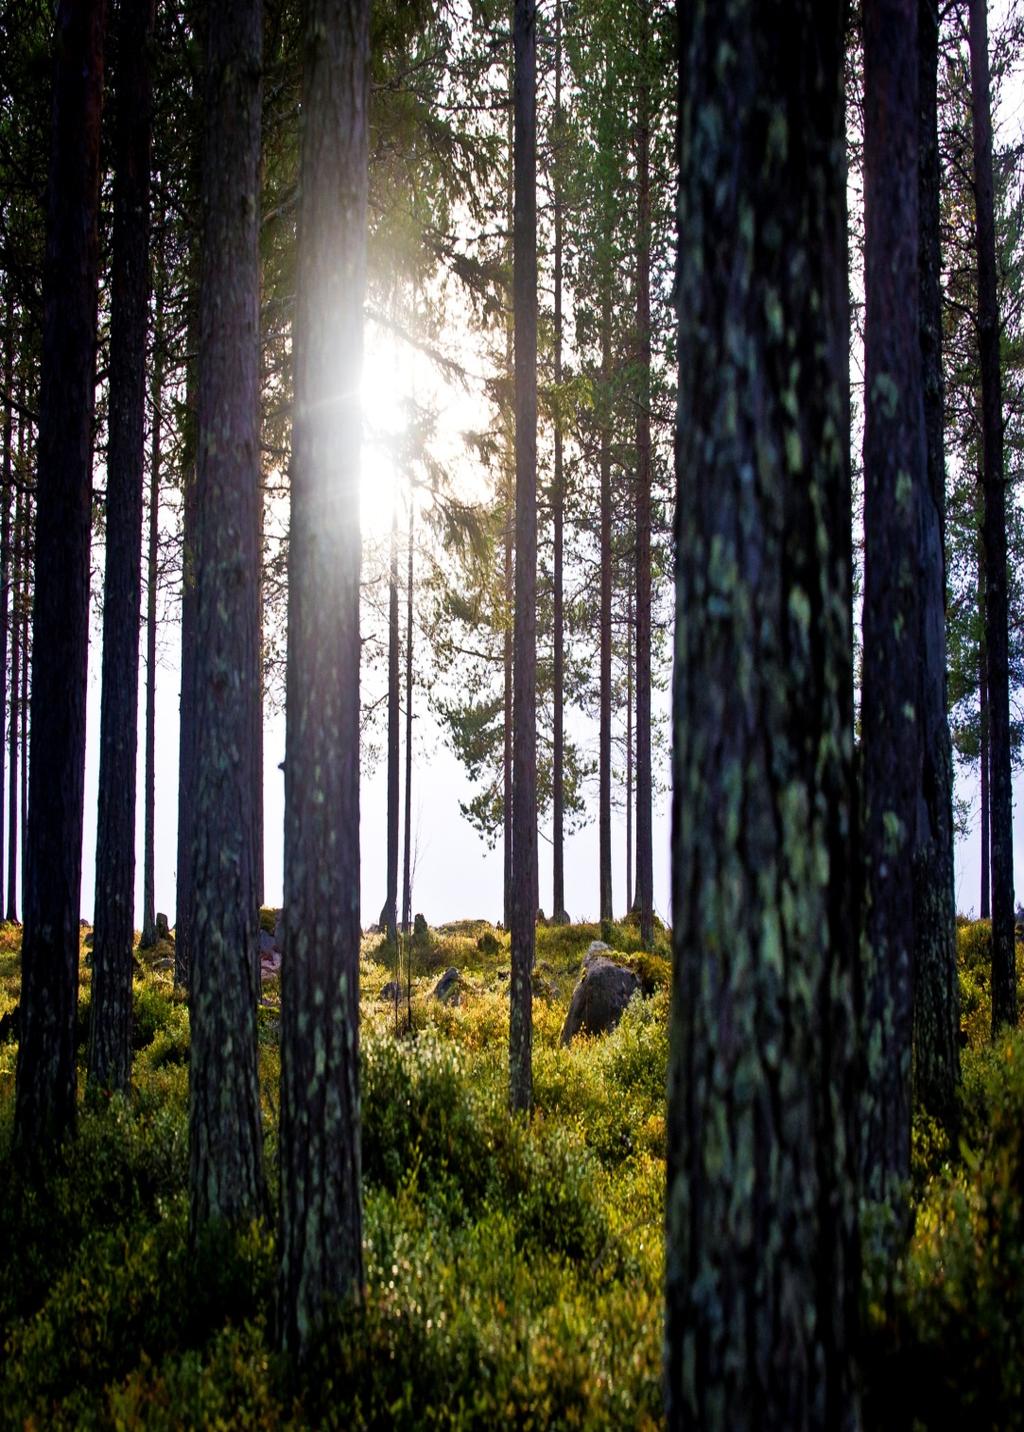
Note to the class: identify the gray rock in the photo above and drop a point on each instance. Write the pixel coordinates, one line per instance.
(600, 997)
(163, 930)
(420, 932)
(595, 949)
(268, 944)
(167, 963)
(391, 991)
(447, 987)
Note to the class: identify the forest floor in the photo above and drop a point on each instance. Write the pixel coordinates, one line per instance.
(513, 1271)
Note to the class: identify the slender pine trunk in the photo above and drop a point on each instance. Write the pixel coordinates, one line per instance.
(14, 727)
(45, 1102)
(389, 914)
(5, 539)
(629, 752)
(604, 747)
(984, 823)
(558, 516)
(407, 852)
(109, 1063)
(936, 985)
(1004, 981)
(320, 1239)
(148, 938)
(644, 789)
(524, 715)
(225, 1136)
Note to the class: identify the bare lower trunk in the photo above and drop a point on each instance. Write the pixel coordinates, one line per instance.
(1004, 982)
(604, 749)
(148, 938)
(389, 915)
(407, 852)
(524, 757)
(644, 789)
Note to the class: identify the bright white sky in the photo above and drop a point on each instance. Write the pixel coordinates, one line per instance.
(455, 874)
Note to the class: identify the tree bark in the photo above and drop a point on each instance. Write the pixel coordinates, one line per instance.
(1004, 981)
(109, 1065)
(148, 938)
(936, 985)
(762, 1272)
(46, 1077)
(389, 915)
(6, 493)
(524, 716)
(604, 740)
(225, 1141)
(321, 1211)
(407, 852)
(644, 795)
(985, 911)
(558, 517)
(895, 477)
(629, 752)
(14, 729)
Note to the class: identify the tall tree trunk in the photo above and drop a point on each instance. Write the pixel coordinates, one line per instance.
(26, 650)
(1004, 982)
(762, 1271)
(644, 833)
(320, 1238)
(604, 740)
(895, 476)
(407, 852)
(506, 759)
(225, 1140)
(524, 716)
(936, 985)
(389, 915)
(148, 938)
(985, 912)
(558, 515)
(186, 722)
(111, 1011)
(46, 1079)
(14, 730)
(629, 752)
(6, 493)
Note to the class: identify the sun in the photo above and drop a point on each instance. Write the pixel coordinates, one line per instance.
(384, 394)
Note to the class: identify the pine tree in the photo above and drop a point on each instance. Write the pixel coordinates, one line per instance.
(762, 1271)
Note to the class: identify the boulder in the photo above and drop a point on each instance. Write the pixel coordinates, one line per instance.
(391, 991)
(268, 944)
(595, 950)
(10, 1025)
(420, 932)
(600, 997)
(447, 987)
(163, 930)
(166, 962)
(487, 944)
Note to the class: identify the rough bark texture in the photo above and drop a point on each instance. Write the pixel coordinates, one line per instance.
(14, 730)
(148, 936)
(225, 1141)
(186, 730)
(895, 477)
(558, 521)
(629, 752)
(644, 795)
(985, 908)
(321, 1212)
(762, 1272)
(1004, 983)
(45, 1099)
(6, 493)
(114, 909)
(936, 986)
(604, 739)
(407, 850)
(389, 914)
(524, 715)
(506, 758)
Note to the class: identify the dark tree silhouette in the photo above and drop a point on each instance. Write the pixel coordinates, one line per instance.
(762, 1275)
(524, 713)
(46, 1078)
(993, 537)
(936, 988)
(111, 1010)
(321, 1211)
(225, 1142)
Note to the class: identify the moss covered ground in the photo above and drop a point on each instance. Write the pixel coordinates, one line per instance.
(513, 1271)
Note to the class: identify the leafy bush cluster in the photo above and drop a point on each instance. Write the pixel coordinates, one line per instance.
(513, 1270)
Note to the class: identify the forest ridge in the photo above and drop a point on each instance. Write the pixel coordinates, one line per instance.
(764, 1168)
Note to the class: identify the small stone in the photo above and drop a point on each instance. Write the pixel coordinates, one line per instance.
(447, 987)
